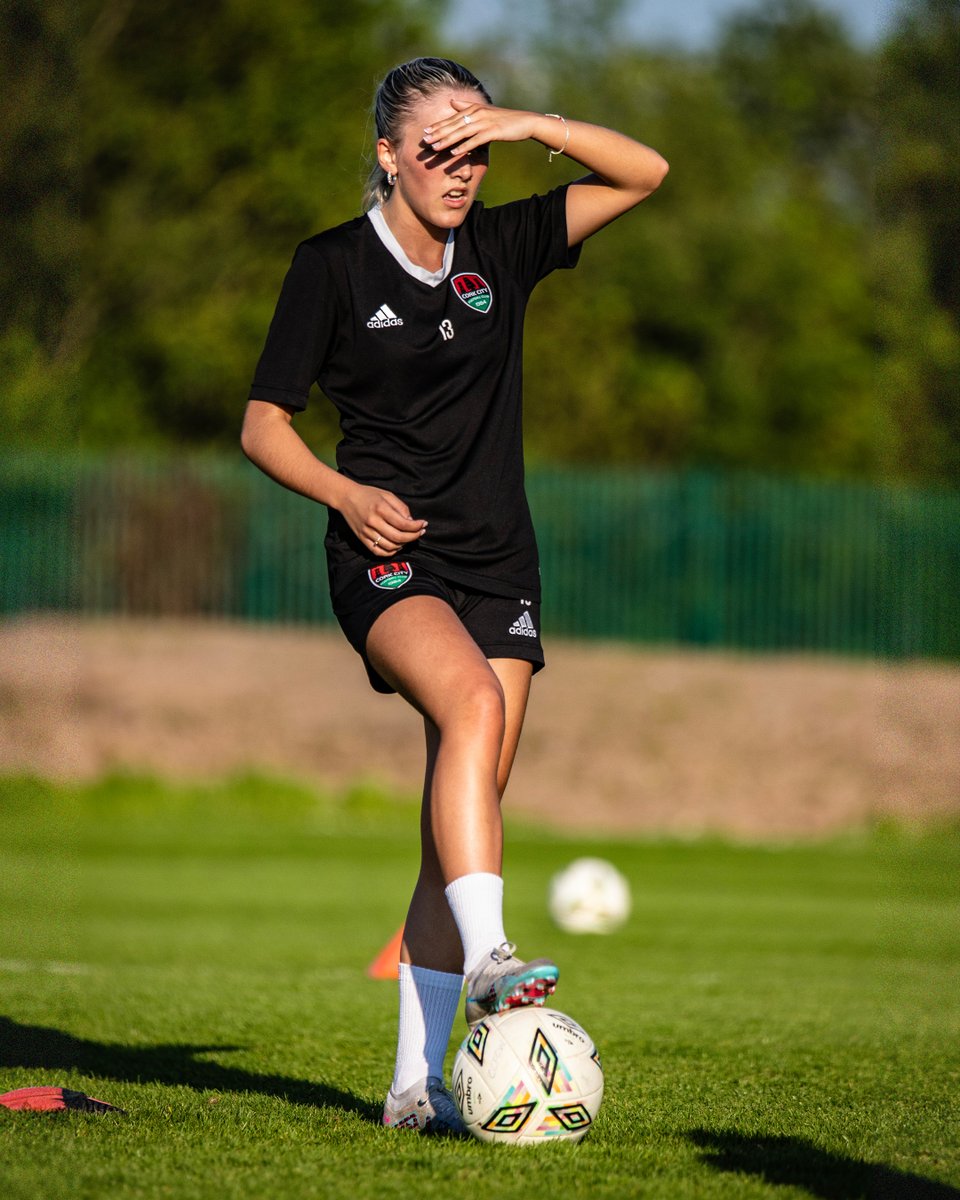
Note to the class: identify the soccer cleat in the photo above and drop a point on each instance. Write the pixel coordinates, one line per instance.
(503, 981)
(426, 1107)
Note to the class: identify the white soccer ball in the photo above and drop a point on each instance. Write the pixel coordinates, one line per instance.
(528, 1076)
(589, 896)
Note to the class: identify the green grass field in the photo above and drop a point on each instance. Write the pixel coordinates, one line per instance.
(774, 1022)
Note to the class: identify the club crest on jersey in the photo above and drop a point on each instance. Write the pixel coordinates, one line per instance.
(473, 290)
(390, 575)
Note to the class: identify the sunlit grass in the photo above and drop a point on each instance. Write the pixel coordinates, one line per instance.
(773, 1021)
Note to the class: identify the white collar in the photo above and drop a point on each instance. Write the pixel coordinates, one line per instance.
(385, 234)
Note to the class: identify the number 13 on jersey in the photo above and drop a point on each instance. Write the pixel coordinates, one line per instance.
(446, 329)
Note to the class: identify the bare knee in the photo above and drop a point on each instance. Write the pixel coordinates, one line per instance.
(477, 709)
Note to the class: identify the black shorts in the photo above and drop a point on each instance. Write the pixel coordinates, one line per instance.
(502, 627)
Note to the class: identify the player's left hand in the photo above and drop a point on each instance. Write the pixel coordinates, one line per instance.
(475, 124)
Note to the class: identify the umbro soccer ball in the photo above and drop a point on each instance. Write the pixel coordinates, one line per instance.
(527, 1076)
(589, 896)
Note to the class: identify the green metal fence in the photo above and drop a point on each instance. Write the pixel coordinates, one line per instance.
(732, 560)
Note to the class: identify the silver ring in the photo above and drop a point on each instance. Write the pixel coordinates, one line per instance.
(467, 119)
(378, 541)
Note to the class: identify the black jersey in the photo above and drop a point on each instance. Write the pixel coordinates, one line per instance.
(427, 382)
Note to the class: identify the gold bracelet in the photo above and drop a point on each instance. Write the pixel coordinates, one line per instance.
(553, 153)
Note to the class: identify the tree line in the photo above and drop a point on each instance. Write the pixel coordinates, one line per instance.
(788, 301)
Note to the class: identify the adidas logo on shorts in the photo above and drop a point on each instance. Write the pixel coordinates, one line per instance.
(523, 626)
(384, 316)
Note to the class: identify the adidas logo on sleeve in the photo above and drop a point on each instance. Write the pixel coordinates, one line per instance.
(523, 626)
(384, 316)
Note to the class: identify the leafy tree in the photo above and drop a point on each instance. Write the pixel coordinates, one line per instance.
(728, 320)
(219, 135)
(39, 216)
(214, 137)
(754, 313)
(802, 89)
(918, 91)
(786, 301)
(918, 241)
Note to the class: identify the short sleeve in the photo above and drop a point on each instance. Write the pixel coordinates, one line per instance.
(531, 235)
(300, 333)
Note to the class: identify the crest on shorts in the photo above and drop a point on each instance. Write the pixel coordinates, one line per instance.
(390, 575)
(473, 290)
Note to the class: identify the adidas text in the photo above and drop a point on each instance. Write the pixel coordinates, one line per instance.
(523, 626)
(384, 316)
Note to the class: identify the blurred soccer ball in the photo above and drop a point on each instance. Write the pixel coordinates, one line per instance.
(528, 1076)
(589, 896)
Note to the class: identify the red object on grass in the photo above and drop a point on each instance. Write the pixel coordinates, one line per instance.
(386, 964)
(54, 1099)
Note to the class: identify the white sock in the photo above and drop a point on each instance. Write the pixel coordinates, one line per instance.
(476, 902)
(428, 1005)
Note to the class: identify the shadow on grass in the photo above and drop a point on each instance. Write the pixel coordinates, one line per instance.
(792, 1162)
(33, 1046)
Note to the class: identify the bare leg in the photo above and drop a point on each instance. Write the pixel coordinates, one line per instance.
(473, 714)
(514, 675)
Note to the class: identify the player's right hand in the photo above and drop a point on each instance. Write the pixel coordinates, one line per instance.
(380, 519)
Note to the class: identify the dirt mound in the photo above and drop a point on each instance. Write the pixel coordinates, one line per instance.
(618, 739)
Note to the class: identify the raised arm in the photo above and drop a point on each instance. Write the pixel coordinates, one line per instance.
(622, 171)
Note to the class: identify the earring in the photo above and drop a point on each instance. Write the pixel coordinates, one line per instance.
(391, 179)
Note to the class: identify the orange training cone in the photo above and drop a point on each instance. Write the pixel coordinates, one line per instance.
(385, 965)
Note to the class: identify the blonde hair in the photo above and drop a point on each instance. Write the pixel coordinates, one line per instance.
(393, 104)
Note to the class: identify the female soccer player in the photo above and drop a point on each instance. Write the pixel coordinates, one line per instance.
(410, 319)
